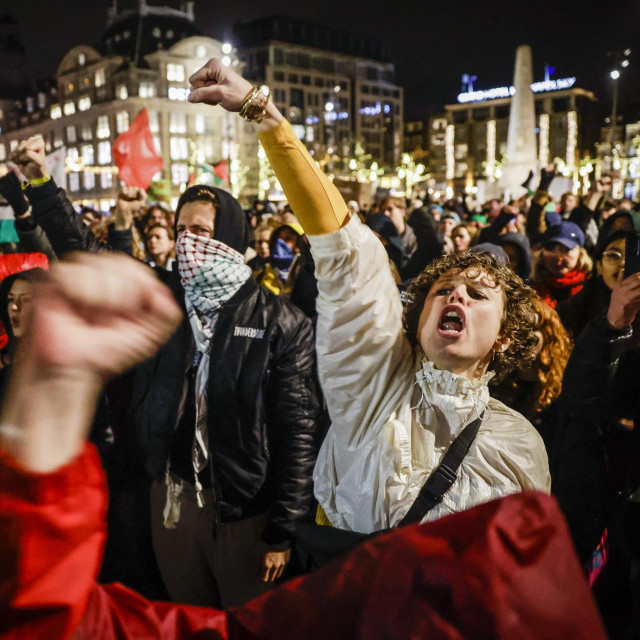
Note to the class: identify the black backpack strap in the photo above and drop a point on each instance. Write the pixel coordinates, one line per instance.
(440, 481)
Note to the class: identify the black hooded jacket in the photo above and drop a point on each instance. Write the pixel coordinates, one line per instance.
(262, 397)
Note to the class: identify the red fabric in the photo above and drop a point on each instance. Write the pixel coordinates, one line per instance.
(556, 288)
(503, 570)
(11, 263)
(135, 153)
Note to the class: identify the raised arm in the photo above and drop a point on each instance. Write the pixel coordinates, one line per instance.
(93, 318)
(314, 199)
(364, 359)
(53, 212)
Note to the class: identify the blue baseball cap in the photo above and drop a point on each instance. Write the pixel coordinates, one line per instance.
(566, 233)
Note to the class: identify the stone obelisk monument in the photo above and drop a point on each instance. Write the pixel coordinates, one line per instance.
(521, 140)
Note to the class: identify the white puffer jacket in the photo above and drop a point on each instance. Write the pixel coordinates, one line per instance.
(393, 414)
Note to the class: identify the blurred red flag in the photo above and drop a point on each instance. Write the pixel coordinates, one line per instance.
(135, 153)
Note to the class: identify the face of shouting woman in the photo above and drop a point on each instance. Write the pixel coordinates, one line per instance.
(460, 323)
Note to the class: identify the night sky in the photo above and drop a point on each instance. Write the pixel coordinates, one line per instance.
(431, 43)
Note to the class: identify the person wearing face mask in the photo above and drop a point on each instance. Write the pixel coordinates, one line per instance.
(283, 251)
(223, 419)
(562, 265)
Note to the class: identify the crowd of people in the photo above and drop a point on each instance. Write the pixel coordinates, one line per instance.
(298, 371)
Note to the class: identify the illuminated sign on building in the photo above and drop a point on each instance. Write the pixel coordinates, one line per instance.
(507, 92)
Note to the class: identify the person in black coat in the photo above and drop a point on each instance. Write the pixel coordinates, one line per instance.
(223, 419)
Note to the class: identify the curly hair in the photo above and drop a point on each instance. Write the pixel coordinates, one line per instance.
(553, 357)
(518, 315)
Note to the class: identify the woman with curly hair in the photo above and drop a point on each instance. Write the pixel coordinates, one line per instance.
(399, 393)
(537, 384)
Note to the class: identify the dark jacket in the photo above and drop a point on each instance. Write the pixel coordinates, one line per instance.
(262, 397)
(262, 407)
(574, 431)
(64, 228)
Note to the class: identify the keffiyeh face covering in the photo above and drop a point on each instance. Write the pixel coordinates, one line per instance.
(210, 271)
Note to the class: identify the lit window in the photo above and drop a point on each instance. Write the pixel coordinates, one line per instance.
(87, 132)
(156, 144)
(156, 32)
(170, 34)
(87, 154)
(147, 90)
(86, 81)
(179, 173)
(104, 152)
(200, 124)
(103, 130)
(201, 51)
(29, 104)
(177, 93)
(81, 59)
(89, 180)
(122, 92)
(175, 72)
(42, 101)
(74, 182)
(84, 103)
(57, 139)
(56, 112)
(3, 152)
(105, 205)
(106, 179)
(153, 120)
(12, 145)
(126, 35)
(122, 121)
(178, 148)
(71, 134)
(177, 122)
(100, 78)
(69, 108)
(72, 155)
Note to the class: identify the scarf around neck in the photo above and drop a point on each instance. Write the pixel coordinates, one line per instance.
(211, 273)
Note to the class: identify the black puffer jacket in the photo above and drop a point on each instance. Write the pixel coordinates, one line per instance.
(263, 407)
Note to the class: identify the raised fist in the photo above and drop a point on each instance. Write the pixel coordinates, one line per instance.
(216, 84)
(129, 204)
(100, 315)
(29, 157)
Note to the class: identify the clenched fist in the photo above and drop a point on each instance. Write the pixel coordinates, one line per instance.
(29, 156)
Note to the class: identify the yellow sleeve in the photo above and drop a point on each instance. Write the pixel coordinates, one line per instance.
(313, 198)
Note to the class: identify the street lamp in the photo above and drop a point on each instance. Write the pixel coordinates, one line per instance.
(615, 75)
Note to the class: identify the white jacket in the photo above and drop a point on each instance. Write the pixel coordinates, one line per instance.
(393, 414)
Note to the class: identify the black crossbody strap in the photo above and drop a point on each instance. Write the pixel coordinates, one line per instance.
(440, 481)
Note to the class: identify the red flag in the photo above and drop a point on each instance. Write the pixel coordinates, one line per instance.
(135, 153)
(221, 170)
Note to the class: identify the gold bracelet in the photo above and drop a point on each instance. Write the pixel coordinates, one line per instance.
(254, 107)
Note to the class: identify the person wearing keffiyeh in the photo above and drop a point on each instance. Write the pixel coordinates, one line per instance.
(223, 418)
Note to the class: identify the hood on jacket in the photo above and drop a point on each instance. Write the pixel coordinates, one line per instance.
(521, 244)
(231, 226)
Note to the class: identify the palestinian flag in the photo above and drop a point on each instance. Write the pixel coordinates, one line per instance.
(219, 172)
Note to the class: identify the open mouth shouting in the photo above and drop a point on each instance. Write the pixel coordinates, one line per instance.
(452, 321)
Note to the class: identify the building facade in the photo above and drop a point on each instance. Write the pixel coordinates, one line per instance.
(143, 60)
(618, 152)
(468, 142)
(333, 86)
